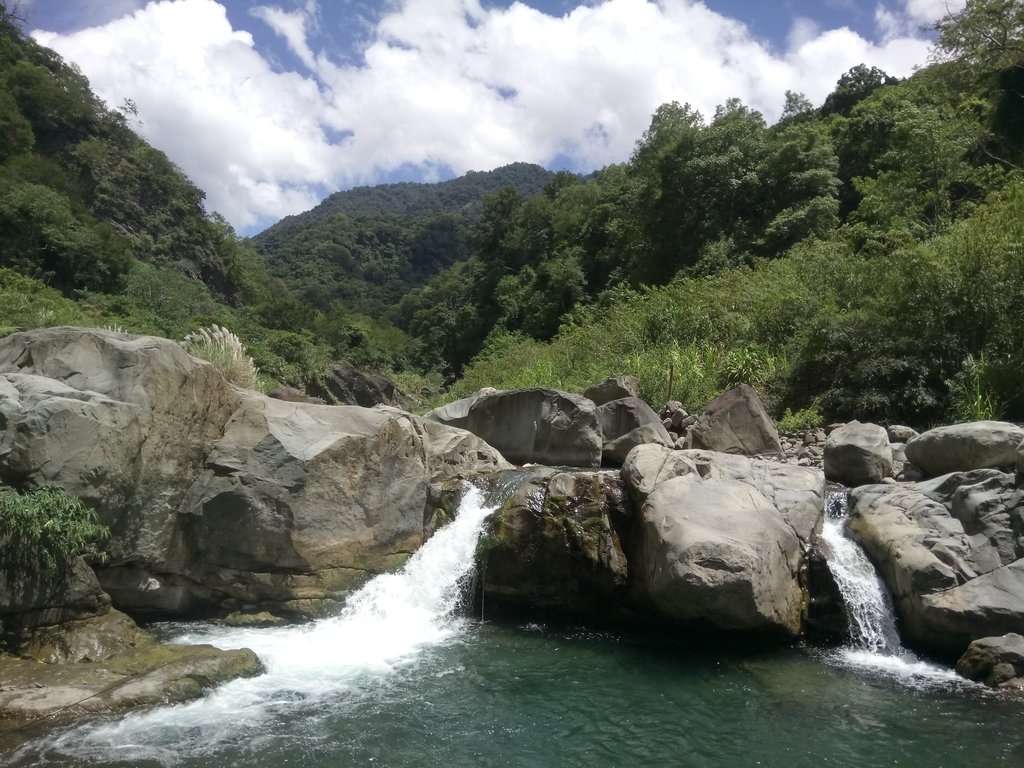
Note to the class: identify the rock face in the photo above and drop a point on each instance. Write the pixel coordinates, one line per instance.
(542, 426)
(626, 423)
(996, 661)
(962, 447)
(217, 496)
(456, 414)
(29, 599)
(950, 550)
(736, 422)
(346, 385)
(858, 454)
(556, 544)
(720, 538)
(613, 388)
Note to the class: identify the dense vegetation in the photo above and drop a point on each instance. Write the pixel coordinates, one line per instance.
(863, 259)
(860, 259)
(98, 228)
(44, 527)
(367, 247)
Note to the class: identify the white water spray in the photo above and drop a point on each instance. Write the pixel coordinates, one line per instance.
(874, 638)
(385, 626)
(868, 605)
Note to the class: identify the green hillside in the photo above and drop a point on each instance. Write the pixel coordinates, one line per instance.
(367, 247)
(861, 259)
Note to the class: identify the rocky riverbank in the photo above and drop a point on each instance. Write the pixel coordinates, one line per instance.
(224, 501)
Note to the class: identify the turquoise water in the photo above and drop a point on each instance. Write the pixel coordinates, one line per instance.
(536, 695)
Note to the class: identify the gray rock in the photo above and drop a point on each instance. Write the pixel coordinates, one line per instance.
(962, 447)
(30, 599)
(987, 659)
(542, 426)
(796, 492)
(216, 495)
(736, 422)
(613, 388)
(456, 413)
(900, 434)
(717, 551)
(625, 424)
(857, 454)
(950, 552)
(293, 395)
(347, 385)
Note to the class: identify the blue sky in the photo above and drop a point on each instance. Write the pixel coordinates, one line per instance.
(269, 105)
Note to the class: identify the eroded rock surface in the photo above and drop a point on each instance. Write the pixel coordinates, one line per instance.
(950, 551)
(721, 538)
(216, 496)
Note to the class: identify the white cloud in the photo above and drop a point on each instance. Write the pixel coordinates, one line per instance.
(907, 17)
(441, 84)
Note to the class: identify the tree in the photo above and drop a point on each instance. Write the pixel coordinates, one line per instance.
(853, 87)
(987, 33)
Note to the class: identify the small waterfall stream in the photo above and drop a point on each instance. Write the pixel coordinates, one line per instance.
(868, 604)
(874, 638)
(393, 621)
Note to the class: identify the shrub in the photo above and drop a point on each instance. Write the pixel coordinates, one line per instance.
(219, 346)
(805, 418)
(46, 526)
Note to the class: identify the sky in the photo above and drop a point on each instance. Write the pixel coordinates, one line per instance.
(271, 105)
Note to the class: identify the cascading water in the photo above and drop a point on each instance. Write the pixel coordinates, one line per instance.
(868, 605)
(393, 620)
(874, 638)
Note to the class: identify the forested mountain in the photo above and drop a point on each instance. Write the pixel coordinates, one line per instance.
(861, 259)
(367, 247)
(99, 228)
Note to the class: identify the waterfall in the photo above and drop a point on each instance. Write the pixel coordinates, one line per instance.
(389, 624)
(874, 640)
(868, 604)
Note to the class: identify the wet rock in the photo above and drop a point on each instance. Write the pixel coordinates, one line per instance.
(557, 543)
(950, 551)
(995, 661)
(155, 675)
(216, 495)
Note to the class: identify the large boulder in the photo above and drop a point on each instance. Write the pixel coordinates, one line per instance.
(962, 447)
(613, 388)
(736, 422)
(538, 426)
(721, 537)
(626, 423)
(796, 492)
(347, 385)
(456, 413)
(950, 551)
(716, 551)
(858, 454)
(996, 661)
(218, 497)
(557, 543)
